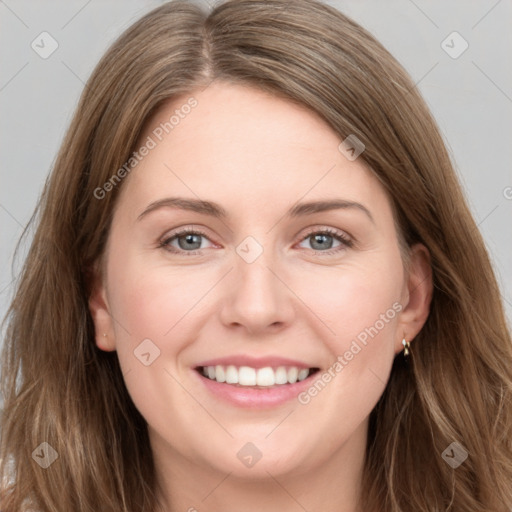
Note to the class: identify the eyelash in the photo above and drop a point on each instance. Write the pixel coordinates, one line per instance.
(346, 242)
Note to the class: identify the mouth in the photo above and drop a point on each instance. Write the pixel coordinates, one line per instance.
(268, 377)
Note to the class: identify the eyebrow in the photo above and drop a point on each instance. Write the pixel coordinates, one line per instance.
(215, 210)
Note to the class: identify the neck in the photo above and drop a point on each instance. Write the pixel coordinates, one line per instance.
(325, 483)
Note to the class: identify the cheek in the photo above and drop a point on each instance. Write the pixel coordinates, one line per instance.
(156, 303)
(154, 312)
(359, 309)
(352, 299)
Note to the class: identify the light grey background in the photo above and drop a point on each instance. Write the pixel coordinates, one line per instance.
(470, 96)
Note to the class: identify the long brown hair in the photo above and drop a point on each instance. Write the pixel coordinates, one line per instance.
(60, 389)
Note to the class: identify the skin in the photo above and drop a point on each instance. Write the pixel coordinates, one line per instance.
(257, 156)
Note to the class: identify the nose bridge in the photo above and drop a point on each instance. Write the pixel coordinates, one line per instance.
(253, 259)
(257, 298)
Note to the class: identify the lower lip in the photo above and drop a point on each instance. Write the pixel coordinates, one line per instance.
(255, 398)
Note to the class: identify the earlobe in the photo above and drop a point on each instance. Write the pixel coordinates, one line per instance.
(418, 292)
(98, 306)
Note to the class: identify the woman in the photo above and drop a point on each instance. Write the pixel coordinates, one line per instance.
(257, 370)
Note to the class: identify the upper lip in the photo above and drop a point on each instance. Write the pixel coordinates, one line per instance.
(254, 362)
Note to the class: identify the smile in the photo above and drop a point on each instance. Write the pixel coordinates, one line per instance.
(261, 377)
(261, 386)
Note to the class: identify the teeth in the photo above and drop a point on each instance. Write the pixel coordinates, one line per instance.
(302, 374)
(247, 376)
(293, 373)
(265, 377)
(281, 375)
(220, 374)
(231, 375)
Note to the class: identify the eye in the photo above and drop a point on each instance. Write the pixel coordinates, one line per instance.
(186, 239)
(322, 240)
(190, 240)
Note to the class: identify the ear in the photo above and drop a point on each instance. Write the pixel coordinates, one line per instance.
(98, 306)
(416, 295)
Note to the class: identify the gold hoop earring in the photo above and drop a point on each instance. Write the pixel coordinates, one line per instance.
(407, 347)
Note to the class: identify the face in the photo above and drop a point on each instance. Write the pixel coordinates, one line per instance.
(256, 289)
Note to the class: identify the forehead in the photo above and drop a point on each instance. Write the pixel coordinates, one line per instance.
(239, 143)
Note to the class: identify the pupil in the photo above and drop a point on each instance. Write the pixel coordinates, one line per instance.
(320, 238)
(189, 239)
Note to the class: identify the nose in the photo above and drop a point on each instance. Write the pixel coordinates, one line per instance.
(257, 298)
